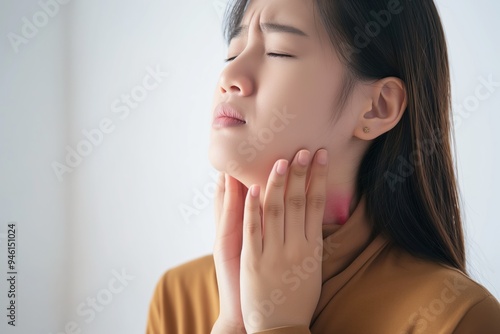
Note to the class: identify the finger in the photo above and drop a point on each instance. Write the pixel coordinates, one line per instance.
(295, 198)
(243, 193)
(219, 197)
(273, 207)
(316, 195)
(232, 209)
(252, 229)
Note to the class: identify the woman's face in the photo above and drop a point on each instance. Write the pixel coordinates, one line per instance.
(287, 102)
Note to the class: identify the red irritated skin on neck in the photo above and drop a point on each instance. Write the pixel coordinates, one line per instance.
(337, 208)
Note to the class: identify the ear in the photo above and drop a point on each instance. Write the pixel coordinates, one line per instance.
(389, 101)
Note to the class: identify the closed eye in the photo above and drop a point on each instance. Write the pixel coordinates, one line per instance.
(279, 55)
(275, 55)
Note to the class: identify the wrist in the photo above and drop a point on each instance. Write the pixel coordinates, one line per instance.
(222, 326)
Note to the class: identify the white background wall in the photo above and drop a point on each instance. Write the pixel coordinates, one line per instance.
(119, 209)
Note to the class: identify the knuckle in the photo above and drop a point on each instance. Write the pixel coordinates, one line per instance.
(316, 201)
(252, 228)
(296, 201)
(274, 210)
(299, 171)
(276, 182)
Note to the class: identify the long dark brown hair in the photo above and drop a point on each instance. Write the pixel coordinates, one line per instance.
(407, 174)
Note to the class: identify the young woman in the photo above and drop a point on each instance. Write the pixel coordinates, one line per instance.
(337, 209)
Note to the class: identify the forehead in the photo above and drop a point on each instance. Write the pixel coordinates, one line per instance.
(282, 16)
(301, 11)
(292, 16)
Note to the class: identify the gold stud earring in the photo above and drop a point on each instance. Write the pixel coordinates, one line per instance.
(366, 129)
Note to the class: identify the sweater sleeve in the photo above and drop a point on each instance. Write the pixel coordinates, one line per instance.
(483, 317)
(286, 330)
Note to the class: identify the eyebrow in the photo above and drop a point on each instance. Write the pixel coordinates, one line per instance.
(269, 27)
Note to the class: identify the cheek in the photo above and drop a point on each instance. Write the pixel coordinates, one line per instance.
(304, 90)
(294, 107)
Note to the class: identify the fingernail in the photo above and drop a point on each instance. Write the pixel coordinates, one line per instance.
(322, 157)
(304, 158)
(281, 167)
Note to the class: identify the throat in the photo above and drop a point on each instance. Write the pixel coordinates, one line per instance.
(337, 208)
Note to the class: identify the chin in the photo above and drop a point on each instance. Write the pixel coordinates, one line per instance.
(222, 161)
(227, 159)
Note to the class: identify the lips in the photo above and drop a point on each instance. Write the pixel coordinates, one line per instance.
(225, 110)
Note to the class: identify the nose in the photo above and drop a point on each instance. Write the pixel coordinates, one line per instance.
(236, 79)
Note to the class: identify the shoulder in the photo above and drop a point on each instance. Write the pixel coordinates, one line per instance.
(199, 271)
(429, 275)
(193, 269)
(185, 299)
(433, 296)
(482, 317)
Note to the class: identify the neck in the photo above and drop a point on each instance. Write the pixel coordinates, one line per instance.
(341, 196)
(340, 203)
(339, 207)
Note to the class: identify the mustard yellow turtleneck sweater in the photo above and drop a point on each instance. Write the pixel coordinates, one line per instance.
(370, 286)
